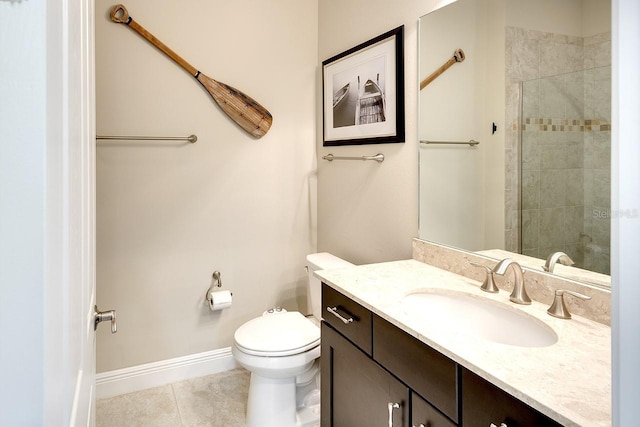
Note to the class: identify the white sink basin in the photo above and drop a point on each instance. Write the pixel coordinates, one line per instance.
(490, 320)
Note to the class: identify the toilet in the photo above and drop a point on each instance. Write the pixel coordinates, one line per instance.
(281, 349)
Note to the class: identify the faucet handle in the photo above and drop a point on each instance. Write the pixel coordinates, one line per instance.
(559, 308)
(488, 285)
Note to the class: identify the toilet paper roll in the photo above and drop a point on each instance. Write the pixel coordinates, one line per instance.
(219, 300)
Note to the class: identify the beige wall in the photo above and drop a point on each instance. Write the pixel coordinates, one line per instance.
(169, 214)
(368, 212)
(580, 18)
(596, 17)
(565, 19)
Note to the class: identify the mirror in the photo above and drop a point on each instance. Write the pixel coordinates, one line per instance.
(534, 89)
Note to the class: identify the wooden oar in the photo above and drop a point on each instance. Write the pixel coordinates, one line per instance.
(458, 56)
(242, 109)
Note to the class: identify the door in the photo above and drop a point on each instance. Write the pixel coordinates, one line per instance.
(69, 377)
(81, 202)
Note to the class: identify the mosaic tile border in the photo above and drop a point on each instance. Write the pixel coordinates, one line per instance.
(563, 125)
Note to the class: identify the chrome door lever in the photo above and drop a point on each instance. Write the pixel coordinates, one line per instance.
(101, 316)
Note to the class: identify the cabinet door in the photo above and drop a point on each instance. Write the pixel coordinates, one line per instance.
(356, 391)
(422, 413)
(432, 375)
(483, 404)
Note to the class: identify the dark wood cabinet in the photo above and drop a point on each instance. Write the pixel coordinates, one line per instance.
(356, 391)
(358, 319)
(431, 374)
(424, 413)
(368, 363)
(483, 403)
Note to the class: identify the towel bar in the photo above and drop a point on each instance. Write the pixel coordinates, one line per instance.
(378, 158)
(191, 138)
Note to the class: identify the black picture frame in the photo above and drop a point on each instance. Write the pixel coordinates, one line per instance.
(363, 93)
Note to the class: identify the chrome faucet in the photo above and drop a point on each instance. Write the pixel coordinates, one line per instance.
(555, 257)
(519, 294)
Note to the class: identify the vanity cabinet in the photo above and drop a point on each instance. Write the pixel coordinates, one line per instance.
(422, 413)
(368, 363)
(355, 390)
(427, 372)
(483, 403)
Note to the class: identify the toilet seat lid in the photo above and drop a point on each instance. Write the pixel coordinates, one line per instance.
(281, 334)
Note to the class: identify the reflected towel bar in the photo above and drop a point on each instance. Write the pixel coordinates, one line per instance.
(191, 138)
(378, 158)
(470, 142)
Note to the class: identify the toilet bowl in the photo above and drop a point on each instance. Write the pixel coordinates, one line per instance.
(275, 360)
(281, 349)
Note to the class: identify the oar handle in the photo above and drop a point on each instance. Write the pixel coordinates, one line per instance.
(120, 15)
(458, 56)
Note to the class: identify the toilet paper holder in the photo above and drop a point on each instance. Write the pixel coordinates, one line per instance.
(216, 283)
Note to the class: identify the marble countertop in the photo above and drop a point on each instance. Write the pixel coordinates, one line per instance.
(569, 381)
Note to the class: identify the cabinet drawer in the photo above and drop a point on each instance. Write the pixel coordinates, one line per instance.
(431, 374)
(483, 403)
(425, 414)
(357, 330)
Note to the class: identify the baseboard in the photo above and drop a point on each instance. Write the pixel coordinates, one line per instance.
(156, 374)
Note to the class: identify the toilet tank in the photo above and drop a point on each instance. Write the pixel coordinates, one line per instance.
(320, 261)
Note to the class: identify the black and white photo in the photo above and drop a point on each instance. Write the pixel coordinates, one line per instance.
(363, 93)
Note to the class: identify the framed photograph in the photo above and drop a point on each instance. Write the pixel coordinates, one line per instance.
(363, 93)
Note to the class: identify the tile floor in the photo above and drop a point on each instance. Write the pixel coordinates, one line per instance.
(214, 401)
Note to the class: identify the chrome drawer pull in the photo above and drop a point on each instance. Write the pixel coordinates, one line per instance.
(334, 311)
(391, 406)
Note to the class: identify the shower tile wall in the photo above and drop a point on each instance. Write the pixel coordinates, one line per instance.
(559, 172)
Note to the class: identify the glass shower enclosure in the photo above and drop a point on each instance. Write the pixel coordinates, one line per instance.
(565, 182)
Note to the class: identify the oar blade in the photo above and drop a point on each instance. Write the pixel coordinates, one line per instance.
(241, 108)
